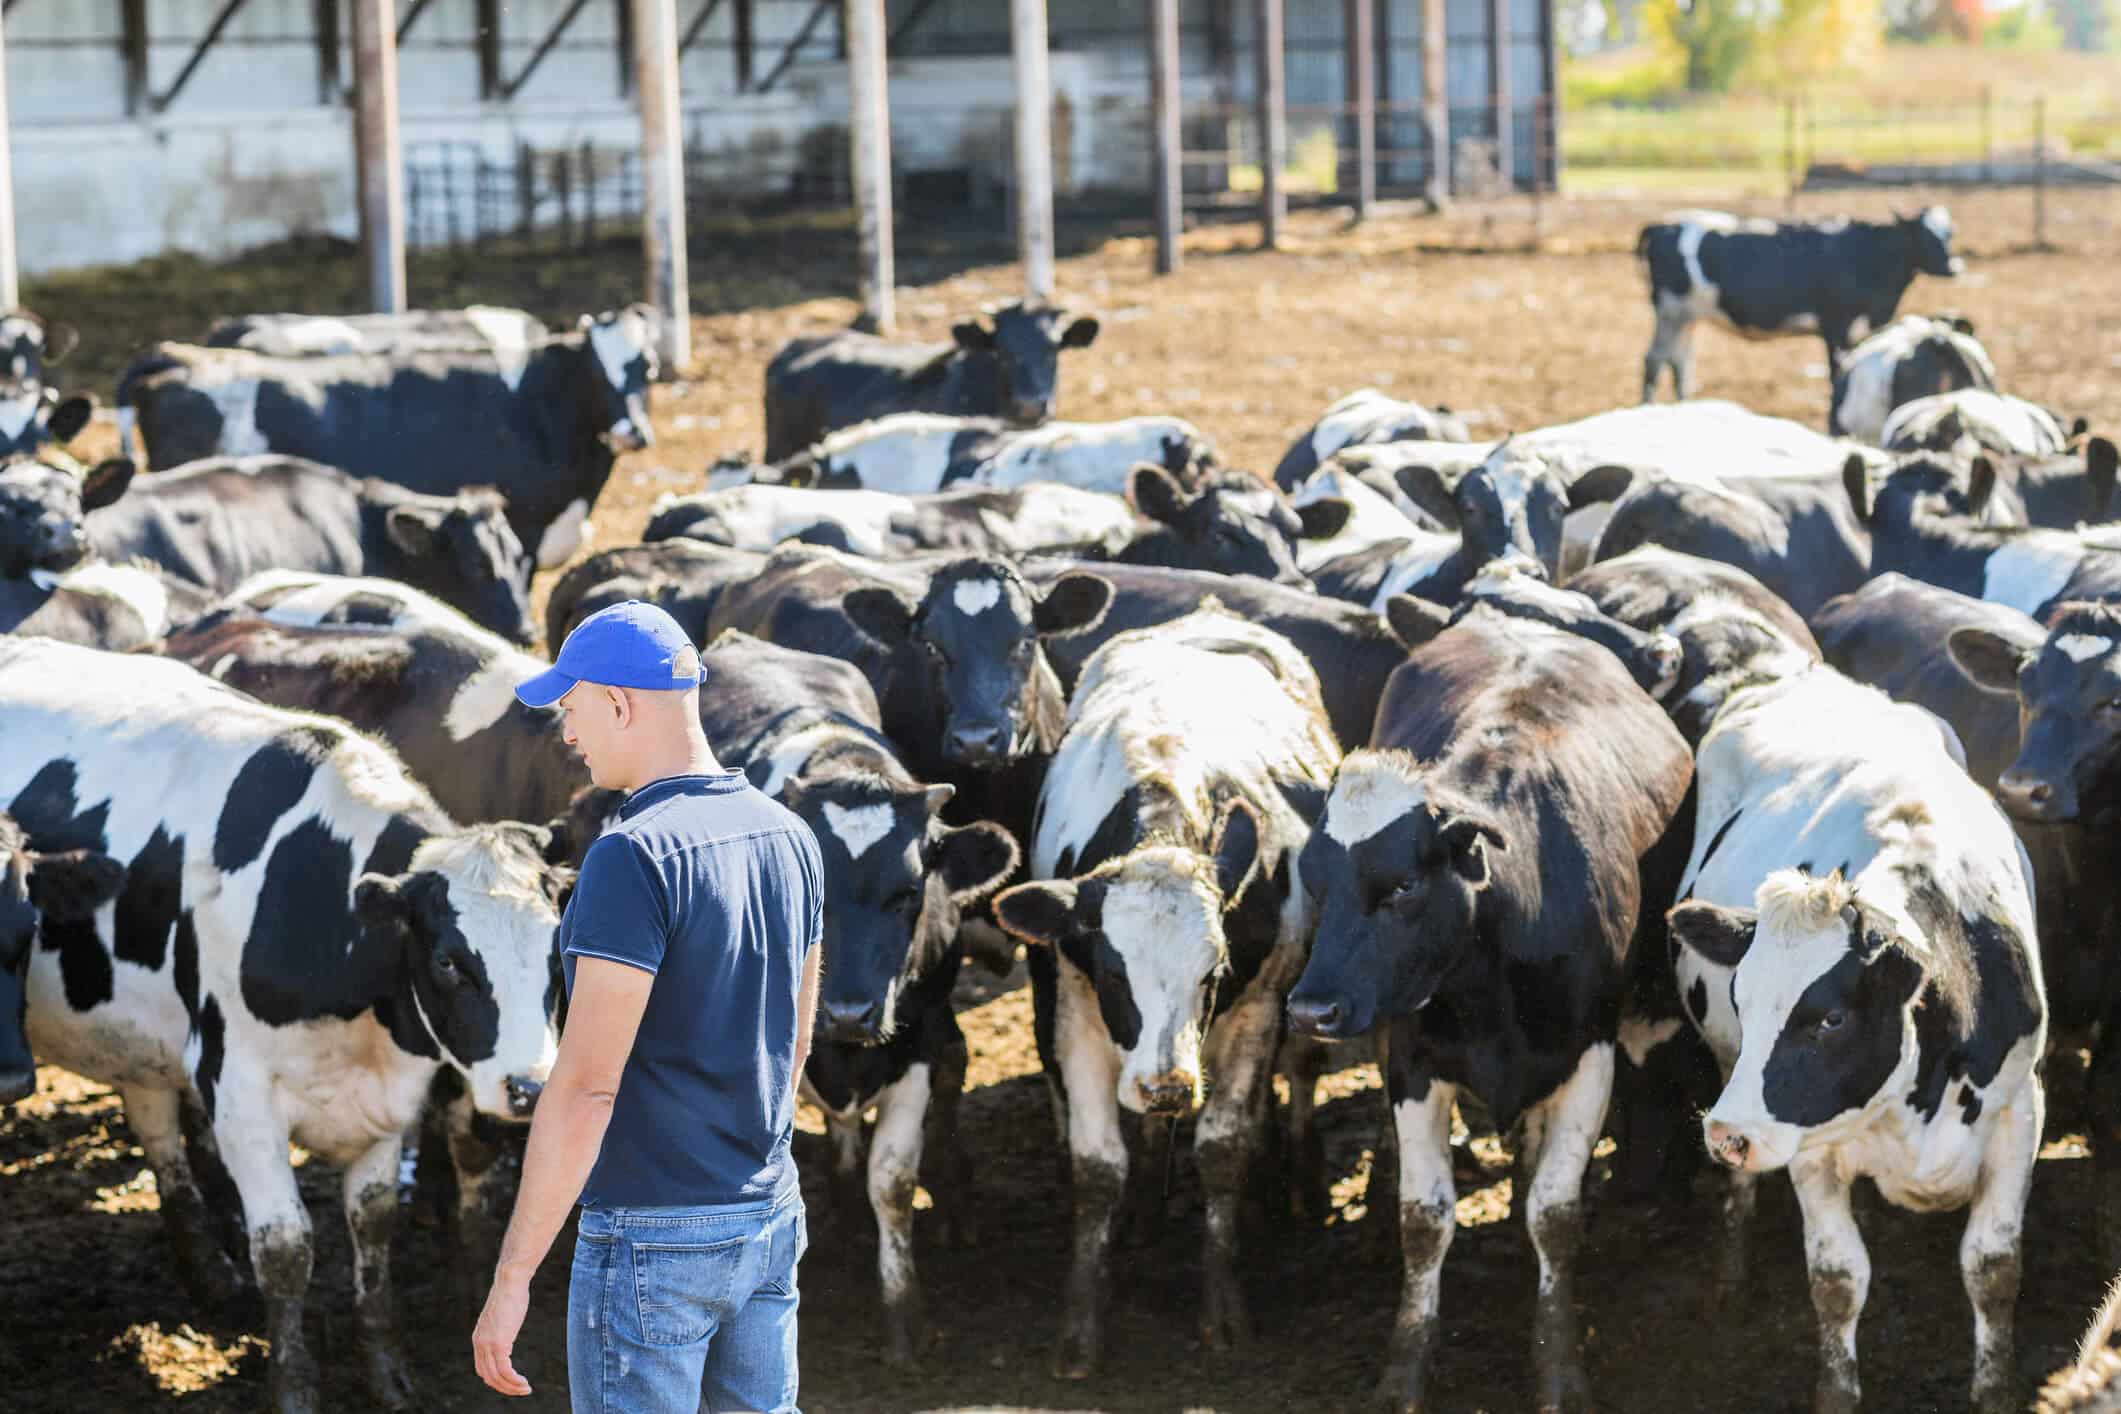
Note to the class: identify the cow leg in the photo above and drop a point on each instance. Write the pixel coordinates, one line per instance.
(1734, 1249)
(949, 1161)
(371, 1197)
(1840, 1271)
(848, 1196)
(894, 1171)
(253, 1142)
(1304, 1061)
(1428, 1218)
(1098, 1167)
(1239, 1061)
(207, 1271)
(2103, 1110)
(487, 1162)
(1670, 347)
(1568, 1124)
(1990, 1253)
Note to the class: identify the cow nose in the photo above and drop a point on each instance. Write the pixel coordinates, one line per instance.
(1167, 1094)
(1315, 1018)
(16, 1085)
(523, 1094)
(1727, 1145)
(974, 746)
(2026, 796)
(1665, 658)
(851, 1022)
(1030, 410)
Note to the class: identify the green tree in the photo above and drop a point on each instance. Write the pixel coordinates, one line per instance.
(1714, 38)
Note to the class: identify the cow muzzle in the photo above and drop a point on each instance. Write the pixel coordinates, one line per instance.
(851, 1023)
(981, 744)
(17, 1085)
(1030, 412)
(523, 1095)
(1172, 1094)
(1325, 1020)
(628, 435)
(2032, 799)
(1728, 1145)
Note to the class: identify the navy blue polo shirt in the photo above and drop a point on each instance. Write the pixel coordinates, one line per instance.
(717, 890)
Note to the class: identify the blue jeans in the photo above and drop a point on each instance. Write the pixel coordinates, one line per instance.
(673, 1310)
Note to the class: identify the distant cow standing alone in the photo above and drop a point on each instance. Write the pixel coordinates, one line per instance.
(1838, 279)
(1006, 364)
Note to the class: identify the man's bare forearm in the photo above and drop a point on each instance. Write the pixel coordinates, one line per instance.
(565, 1135)
(806, 1008)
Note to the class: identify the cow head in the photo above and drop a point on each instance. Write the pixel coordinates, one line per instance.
(1511, 506)
(30, 410)
(1395, 872)
(1238, 526)
(462, 550)
(1143, 934)
(1654, 659)
(44, 513)
(2069, 713)
(476, 921)
(622, 345)
(1025, 342)
(1823, 984)
(974, 639)
(1929, 242)
(896, 880)
(69, 885)
(1922, 499)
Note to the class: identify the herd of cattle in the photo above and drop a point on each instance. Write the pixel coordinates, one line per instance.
(1679, 774)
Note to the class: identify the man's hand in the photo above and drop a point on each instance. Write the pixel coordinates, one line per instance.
(494, 1341)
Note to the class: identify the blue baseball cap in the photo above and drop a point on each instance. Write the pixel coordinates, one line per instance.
(627, 645)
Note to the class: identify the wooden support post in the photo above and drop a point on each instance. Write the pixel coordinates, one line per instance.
(869, 135)
(1499, 97)
(1436, 103)
(655, 62)
(1034, 146)
(1362, 98)
(379, 165)
(132, 48)
(10, 284)
(1165, 134)
(1273, 122)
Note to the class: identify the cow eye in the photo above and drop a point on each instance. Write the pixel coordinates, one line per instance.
(1830, 1022)
(2111, 704)
(1407, 897)
(447, 970)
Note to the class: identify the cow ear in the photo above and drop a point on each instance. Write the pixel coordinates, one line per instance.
(973, 860)
(972, 336)
(1041, 913)
(1426, 487)
(73, 883)
(1155, 493)
(1600, 483)
(1468, 838)
(106, 482)
(1721, 935)
(412, 530)
(69, 418)
(2100, 464)
(536, 838)
(881, 614)
(936, 797)
(1856, 481)
(1325, 517)
(1074, 604)
(1414, 621)
(1990, 661)
(1980, 484)
(1236, 849)
(59, 341)
(1080, 333)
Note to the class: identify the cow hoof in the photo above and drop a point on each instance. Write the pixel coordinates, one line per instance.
(296, 1393)
(1398, 1390)
(388, 1384)
(1075, 1358)
(1224, 1324)
(906, 1335)
(1572, 1397)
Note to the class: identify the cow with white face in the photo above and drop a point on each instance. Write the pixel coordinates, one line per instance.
(1468, 906)
(1857, 944)
(301, 941)
(1167, 922)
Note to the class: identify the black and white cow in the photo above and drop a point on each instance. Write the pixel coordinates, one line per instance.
(682, 577)
(1004, 364)
(1468, 903)
(1652, 658)
(1509, 508)
(542, 423)
(507, 332)
(302, 940)
(1168, 921)
(31, 412)
(217, 522)
(1838, 279)
(1857, 946)
(1377, 510)
(1925, 523)
(1916, 356)
(51, 893)
(2057, 490)
(1364, 417)
(915, 454)
(807, 731)
(1795, 535)
(49, 587)
(2061, 781)
(439, 690)
(954, 651)
(1996, 423)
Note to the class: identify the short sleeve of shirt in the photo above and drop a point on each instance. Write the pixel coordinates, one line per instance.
(618, 911)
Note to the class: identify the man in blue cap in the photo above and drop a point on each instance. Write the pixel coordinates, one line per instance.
(691, 952)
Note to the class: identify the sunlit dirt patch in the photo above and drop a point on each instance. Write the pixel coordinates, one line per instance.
(184, 1360)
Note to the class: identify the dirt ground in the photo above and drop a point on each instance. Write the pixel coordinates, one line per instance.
(1462, 309)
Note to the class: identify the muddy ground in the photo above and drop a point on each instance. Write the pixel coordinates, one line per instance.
(1476, 309)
